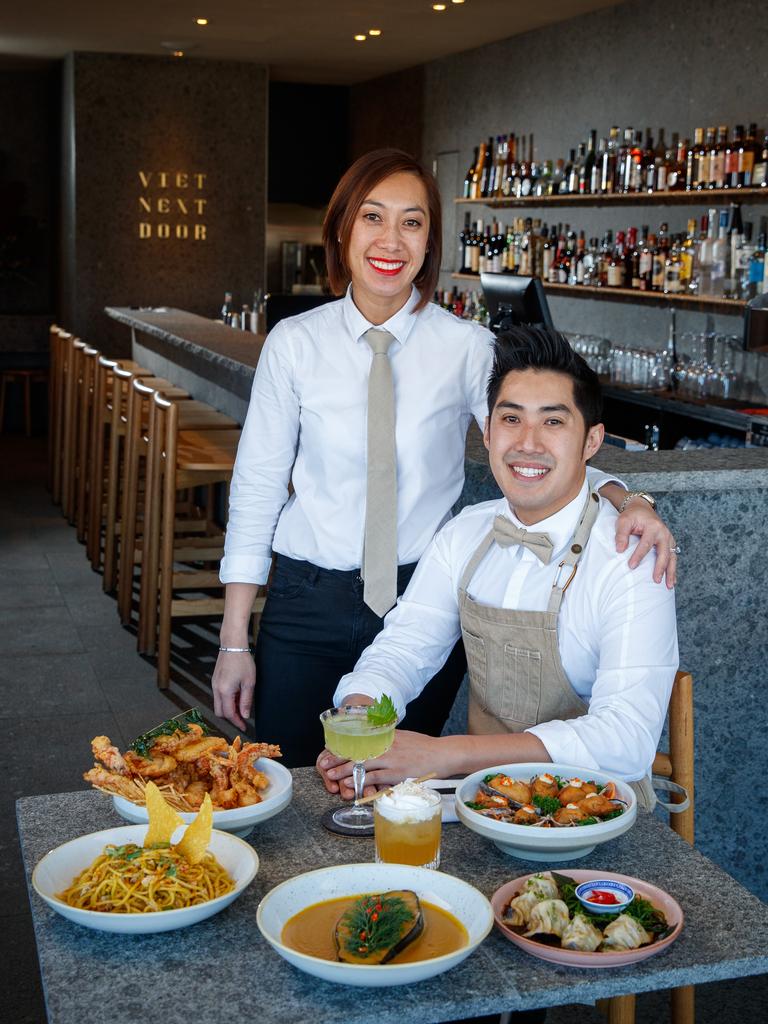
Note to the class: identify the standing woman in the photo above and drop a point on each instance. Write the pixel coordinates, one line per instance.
(363, 406)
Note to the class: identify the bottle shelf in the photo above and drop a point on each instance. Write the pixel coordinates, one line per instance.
(712, 303)
(705, 197)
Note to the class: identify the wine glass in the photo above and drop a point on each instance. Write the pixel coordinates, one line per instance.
(350, 735)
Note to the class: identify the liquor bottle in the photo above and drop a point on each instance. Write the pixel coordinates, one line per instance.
(717, 159)
(475, 191)
(468, 178)
(497, 167)
(687, 256)
(624, 161)
(661, 162)
(589, 264)
(760, 169)
(706, 242)
(597, 168)
(720, 257)
(642, 158)
(677, 165)
(565, 168)
(577, 267)
(543, 183)
(603, 259)
(610, 156)
(657, 270)
(747, 158)
(527, 171)
(645, 262)
(547, 253)
(527, 250)
(673, 269)
(463, 237)
(692, 160)
(736, 237)
(742, 262)
(632, 261)
(517, 179)
(510, 168)
(477, 241)
(615, 271)
(757, 264)
(587, 167)
(226, 309)
(485, 170)
(575, 176)
(732, 155)
(702, 170)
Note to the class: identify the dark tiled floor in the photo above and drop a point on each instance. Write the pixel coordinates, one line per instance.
(69, 671)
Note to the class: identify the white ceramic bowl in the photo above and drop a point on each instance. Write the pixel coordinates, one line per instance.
(444, 891)
(240, 820)
(58, 868)
(544, 844)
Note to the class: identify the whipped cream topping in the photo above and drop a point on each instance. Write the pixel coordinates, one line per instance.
(408, 802)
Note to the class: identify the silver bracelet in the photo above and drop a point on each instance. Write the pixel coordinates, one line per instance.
(236, 650)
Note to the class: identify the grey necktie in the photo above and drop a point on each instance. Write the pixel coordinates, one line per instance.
(380, 547)
(506, 534)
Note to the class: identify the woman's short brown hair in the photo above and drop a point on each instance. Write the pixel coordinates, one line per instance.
(355, 185)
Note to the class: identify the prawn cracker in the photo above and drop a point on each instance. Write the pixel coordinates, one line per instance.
(163, 820)
(194, 842)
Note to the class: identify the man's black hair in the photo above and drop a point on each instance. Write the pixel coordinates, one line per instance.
(541, 348)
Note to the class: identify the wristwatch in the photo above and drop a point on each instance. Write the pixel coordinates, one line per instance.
(637, 494)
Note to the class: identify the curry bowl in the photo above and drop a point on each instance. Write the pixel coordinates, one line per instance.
(445, 892)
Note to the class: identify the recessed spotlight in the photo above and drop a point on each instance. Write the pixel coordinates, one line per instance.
(457, 1)
(177, 53)
(374, 31)
(359, 38)
(204, 21)
(439, 7)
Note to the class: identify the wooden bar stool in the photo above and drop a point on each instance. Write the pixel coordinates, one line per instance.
(85, 420)
(61, 354)
(100, 449)
(191, 415)
(121, 389)
(54, 332)
(676, 764)
(181, 459)
(73, 370)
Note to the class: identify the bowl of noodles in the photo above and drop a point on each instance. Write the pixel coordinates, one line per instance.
(117, 866)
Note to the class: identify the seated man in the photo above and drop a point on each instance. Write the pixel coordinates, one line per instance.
(571, 655)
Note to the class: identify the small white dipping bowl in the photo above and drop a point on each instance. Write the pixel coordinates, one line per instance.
(624, 894)
(452, 894)
(545, 844)
(60, 867)
(240, 820)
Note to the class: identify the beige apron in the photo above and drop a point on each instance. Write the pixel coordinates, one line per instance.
(516, 676)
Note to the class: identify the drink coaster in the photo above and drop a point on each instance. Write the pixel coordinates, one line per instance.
(342, 830)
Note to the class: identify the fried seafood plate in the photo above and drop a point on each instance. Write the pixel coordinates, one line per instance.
(185, 764)
(546, 801)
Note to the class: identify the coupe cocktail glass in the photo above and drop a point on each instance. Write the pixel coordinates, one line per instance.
(349, 734)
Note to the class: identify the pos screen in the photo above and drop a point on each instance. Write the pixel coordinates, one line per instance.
(514, 300)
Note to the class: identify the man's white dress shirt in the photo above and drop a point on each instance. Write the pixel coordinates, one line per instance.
(617, 633)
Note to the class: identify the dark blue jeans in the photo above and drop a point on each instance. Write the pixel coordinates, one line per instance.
(314, 628)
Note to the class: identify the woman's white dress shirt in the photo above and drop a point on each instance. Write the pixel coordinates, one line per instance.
(617, 632)
(309, 404)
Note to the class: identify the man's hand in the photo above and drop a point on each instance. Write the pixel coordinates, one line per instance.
(639, 518)
(412, 754)
(234, 680)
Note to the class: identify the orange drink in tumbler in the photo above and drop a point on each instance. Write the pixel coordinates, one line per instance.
(407, 826)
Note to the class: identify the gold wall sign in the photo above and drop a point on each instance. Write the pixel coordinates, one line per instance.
(172, 204)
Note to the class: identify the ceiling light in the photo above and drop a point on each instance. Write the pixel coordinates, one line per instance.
(204, 21)
(374, 31)
(439, 7)
(360, 38)
(457, 1)
(177, 53)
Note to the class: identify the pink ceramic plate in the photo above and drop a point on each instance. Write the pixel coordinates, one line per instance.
(574, 957)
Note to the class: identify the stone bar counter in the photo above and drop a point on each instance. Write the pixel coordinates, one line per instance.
(715, 502)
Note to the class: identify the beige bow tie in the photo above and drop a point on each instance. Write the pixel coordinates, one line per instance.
(506, 534)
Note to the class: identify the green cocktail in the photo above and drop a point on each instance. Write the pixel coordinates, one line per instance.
(350, 736)
(349, 733)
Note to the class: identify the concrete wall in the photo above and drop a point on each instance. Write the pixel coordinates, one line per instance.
(673, 63)
(127, 122)
(28, 205)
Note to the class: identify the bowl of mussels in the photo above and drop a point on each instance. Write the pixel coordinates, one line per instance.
(545, 812)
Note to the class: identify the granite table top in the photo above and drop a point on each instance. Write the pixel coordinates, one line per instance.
(223, 967)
